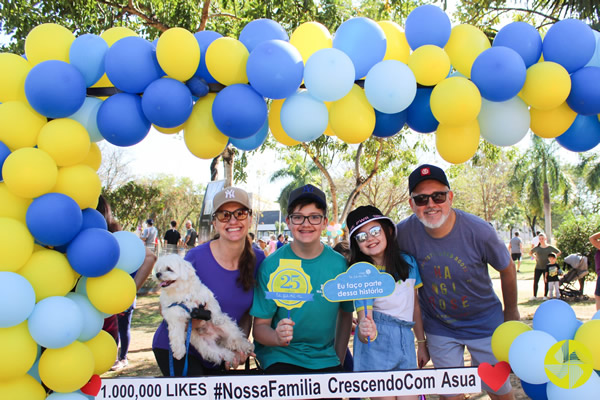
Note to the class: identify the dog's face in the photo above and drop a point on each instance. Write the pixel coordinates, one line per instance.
(172, 270)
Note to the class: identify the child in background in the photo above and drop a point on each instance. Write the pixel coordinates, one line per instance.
(553, 272)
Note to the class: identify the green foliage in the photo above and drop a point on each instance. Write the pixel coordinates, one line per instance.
(133, 203)
(573, 236)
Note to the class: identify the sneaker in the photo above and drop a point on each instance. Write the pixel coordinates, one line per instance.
(544, 298)
(533, 298)
(124, 363)
(117, 366)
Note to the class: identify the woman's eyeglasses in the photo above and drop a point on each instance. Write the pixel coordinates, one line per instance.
(362, 236)
(240, 214)
(298, 219)
(423, 199)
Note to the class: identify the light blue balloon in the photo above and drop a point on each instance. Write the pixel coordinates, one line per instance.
(504, 123)
(303, 117)
(595, 60)
(254, 141)
(67, 396)
(363, 40)
(17, 299)
(596, 315)
(87, 116)
(329, 74)
(390, 86)
(132, 252)
(55, 322)
(527, 353)
(34, 370)
(87, 55)
(557, 318)
(588, 391)
(92, 318)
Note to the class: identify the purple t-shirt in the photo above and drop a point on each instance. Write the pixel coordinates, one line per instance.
(232, 298)
(457, 297)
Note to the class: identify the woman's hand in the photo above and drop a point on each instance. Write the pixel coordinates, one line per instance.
(285, 331)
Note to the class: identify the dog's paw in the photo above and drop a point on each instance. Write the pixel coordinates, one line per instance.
(179, 353)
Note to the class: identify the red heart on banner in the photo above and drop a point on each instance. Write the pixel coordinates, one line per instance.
(494, 375)
(93, 386)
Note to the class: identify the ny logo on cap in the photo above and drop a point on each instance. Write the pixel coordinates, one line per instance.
(230, 194)
(308, 189)
(425, 171)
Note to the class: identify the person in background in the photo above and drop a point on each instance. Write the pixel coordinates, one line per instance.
(149, 234)
(272, 244)
(172, 238)
(262, 243)
(280, 240)
(540, 252)
(515, 246)
(595, 241)
(255, 245)
(535, 242)
(551, 276)
(189, 241)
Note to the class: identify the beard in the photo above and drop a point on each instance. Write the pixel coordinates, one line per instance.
(439, 223)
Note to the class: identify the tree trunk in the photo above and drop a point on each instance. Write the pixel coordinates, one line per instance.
(228, 156)
(214, 172)
(547, 213)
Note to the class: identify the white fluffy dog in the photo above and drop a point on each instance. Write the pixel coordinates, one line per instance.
(217, 339)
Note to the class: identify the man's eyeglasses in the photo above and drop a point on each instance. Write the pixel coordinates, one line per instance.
(362, 236)
(423, 199)
(240, 214)
(313, 219)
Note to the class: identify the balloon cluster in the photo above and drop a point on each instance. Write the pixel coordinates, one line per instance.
(334, 230)
(558, 359)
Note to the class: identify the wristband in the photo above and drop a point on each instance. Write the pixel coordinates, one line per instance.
(422, 341)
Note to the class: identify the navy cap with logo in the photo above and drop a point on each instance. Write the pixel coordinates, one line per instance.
(425, 172)
(308, 192)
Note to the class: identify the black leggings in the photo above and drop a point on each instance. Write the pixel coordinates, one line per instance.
(195, 366)
(536, 277)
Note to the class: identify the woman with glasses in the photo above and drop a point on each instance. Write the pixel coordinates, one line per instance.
(384, 339)
(227, 265)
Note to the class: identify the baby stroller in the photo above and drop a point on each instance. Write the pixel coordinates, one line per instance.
(578, 269)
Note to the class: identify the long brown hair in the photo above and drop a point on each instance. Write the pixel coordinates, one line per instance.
(247, 265)
(104, 208)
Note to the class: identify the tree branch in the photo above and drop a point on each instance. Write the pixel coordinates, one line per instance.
(332, 187)
(130, 9)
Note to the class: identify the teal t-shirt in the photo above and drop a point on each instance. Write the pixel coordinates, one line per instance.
(312, 346)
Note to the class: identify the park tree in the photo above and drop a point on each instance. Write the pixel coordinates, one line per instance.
(134, 202)
(114, 170)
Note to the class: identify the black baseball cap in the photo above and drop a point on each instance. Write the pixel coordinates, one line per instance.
(150, 221)
(363, 215)
(425, 172)
(308, 192)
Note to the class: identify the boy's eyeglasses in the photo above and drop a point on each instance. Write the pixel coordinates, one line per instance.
(423, 199)
(362, 236)
(298, 219)
(240, 214)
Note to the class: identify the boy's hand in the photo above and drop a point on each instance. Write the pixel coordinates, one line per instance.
(285, 331)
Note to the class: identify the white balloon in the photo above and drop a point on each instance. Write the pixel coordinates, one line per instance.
(390, 86)
(504, 123)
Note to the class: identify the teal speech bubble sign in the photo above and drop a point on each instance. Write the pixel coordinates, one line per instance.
(360, 282)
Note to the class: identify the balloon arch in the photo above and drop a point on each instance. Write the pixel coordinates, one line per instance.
(371, 78)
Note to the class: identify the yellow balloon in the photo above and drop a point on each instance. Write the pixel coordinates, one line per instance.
(275, 124)
(48, 42)
(29, 172)
(551, 123)
(50, 274)
(81, 183)
(111, 293)
(116, 33)
(430, 64)
(226, 61)
(465, 44)
(328, 131)
(11, 205)
(178, 53)
(310, 37)
(457, 144)
(94, 157)
(68, 368)
(168, 131)
(202, 137)
(352, 118)
(588, 334)
(455, 101)
(16, 244)
(65, 140)
(397, 45)
(18, 350)
(104, 349)
(13, 71)
(20, 124)
(547, 86)
(504, 335)
(22, 388)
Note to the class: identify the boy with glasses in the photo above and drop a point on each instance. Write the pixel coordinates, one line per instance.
(453, 249)
(304, 339)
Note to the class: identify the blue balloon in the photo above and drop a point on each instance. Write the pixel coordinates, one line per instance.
(239, 111)
(67, 396)
(427, 24)
(303, 117)
(522, 38)
(527, 353)
(275, 69)
(55, 322)
(54, 219)
(363, 41)
(390, 86)
(132, 251)
(584, 98)
(34, 370)
(204, 39)
(570, 43)
(87, 55)
(87, 115)
(4, 153)
(55, 89)
(387, 125)
(167, 102)
(329, 74)
(595, 60)
(596, 315)
(94, 252)
(582, 135)
(557, 318)
(260, 30)
(588, 391)
(131, 64)
(92, 218)
(93, 320)
(121, 120)
(536, 392)
(253, 142)
(198, 86)
(499, 73)
(17, 299)
(419, 116)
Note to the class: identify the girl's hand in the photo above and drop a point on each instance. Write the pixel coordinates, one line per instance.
(366, 329)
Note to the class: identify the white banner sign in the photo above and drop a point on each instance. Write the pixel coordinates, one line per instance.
(313, 386)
